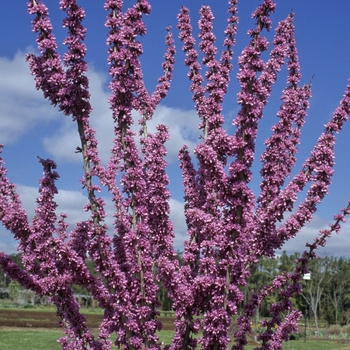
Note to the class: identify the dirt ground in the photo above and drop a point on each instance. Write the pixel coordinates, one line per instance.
(37, 319)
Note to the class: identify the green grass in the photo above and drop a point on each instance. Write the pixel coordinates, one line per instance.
(35, 339)
(166, 336)
(17, 339)
(29, 339)
(310, 345)
(50, 309)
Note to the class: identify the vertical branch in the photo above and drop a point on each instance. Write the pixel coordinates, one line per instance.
(161, 229)
(279, 156)
(43, 259)
(121, 59)
(203, 210)
(47, 68)
(77, 104)
(137, 229)
(163, 85)
(252, 103)
(282, 145)
(69, 89)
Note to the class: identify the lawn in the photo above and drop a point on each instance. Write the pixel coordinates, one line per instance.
(16, 339)
(38, 339)
(20, 329)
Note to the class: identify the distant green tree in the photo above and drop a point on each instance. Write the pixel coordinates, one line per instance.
(14, 290)
(337, 292)
(314, 288)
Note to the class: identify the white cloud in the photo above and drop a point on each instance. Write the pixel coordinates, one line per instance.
(63, 144)
(183, 126)
(69, 202)
(22, 107)
(336, 245)
(178, 218)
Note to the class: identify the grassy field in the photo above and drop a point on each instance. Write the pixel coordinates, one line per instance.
(16, 339)
(36, 339)
(30, 337)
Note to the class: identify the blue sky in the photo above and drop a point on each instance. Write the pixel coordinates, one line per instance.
(30, 127)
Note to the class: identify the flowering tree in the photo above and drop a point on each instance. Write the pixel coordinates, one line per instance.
(229, 229)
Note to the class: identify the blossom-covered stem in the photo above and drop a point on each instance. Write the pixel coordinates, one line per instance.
(229, 42)
(211, 113)
(121, 59)
(250, 97)
(154, 151)
(41, 241)
(53, 275)
(15, 220)
(76, 100)
(252, 103)
(67, 88)
(47, 68)
(279, 156)
(192, 199)
(160, 235)
(282, 145)
(317, 170)
(22, 277)
(163, 85)
(136, 229)
(161, 230)
(191, 61)
(192, 187)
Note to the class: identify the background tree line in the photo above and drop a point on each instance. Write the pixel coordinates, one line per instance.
(325, 296)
